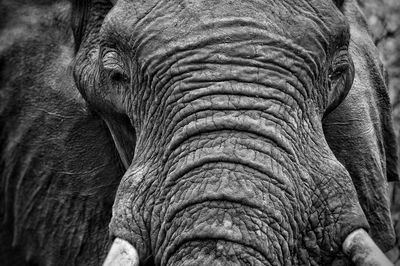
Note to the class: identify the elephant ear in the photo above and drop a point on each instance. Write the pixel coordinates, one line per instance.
(59, 168)
(360, 131)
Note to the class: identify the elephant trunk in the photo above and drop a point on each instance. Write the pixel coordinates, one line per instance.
(238, 184)
(229, 180)
(241, 174)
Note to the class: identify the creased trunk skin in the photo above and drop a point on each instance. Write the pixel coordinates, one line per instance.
(231, 164)
(241, 180)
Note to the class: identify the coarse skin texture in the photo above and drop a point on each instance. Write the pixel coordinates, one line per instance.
(229, 116)
(369, 131)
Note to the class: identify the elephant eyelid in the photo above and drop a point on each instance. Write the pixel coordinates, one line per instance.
(117, 76)
(339, 65)
(339, 70)
(114, 67)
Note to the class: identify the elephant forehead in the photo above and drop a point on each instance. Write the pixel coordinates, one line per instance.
(153, 24)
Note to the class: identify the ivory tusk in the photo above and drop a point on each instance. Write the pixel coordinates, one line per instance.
(363, 251)
(121, 254)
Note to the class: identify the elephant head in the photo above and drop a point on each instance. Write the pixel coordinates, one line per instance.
(230, 119)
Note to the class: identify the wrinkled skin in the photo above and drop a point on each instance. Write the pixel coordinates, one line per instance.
(59, 168)
(231, 122)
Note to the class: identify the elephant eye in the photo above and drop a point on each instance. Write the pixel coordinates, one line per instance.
(338, 71)
(339, 66)
(114, 67)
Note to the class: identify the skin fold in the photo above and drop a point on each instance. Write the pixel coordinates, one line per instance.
(199, 132)
(374, 140)
(59, 168)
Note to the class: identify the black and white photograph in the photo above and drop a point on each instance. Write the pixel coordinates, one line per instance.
(199, 132)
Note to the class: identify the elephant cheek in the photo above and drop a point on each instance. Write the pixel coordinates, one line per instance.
(130, 213)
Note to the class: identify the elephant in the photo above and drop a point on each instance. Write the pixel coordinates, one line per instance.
(59, 167)
(252, 132)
